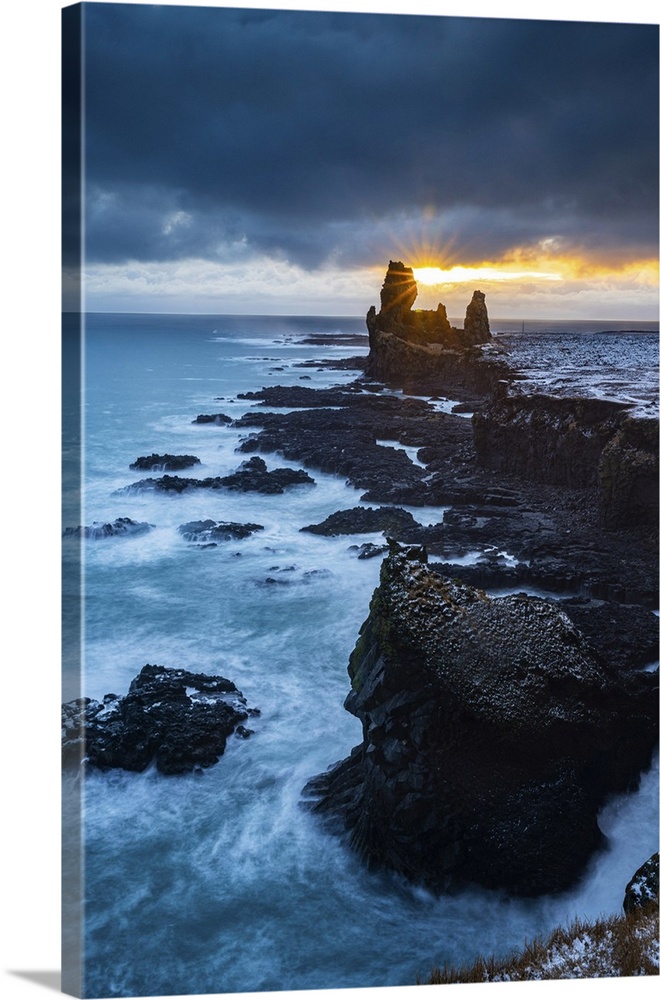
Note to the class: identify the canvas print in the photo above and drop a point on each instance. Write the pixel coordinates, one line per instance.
(360, 500)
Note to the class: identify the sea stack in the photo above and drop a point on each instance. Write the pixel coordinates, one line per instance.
(476, 327)
(407, 343)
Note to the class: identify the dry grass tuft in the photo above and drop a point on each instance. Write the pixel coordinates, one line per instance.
(624, 945)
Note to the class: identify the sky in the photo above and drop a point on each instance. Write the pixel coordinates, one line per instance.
(274, 161)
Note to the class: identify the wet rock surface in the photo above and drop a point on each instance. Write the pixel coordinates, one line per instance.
(493, 731)
(217, 531)
(553, 535)
(642, 890)
(359, 520)
(212, 418)
(121, 526)
(177, 720)
(252, 475)
(164, 463)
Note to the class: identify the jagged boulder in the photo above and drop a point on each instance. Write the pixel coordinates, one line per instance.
(176, 719)
(642, 890)
(492, 734)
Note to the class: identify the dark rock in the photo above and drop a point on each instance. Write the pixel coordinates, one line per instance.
(550, 439)
(359, 520)
(164, 463)
(98, 529)
(492, 735)
(370, 551)
(399, 291)
(251, 476)
(628, 474)
(423, 329)
(642, 890)
(174, 718)
(212, 418)
(476, 327)
(214, 531)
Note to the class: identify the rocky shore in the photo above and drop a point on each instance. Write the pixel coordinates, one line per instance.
(494, 727)
(494, 730)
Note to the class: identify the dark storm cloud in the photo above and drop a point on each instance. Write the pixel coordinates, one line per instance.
(212, 132)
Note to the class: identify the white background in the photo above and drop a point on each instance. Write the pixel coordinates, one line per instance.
(29, 487)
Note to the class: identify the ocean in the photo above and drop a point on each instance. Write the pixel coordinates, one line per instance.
(219, 881)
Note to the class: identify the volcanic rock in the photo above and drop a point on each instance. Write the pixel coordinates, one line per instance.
(418, 328)
(164, 463)
(212, 418)
(642, 889)
(99, 529)
(476, 327)
(361, 520)
(176, 719)
(217, 531)
(251, 476)
(493, 732)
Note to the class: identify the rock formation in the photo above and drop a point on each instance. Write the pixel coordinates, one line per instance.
(477, 327)
(164, 463)
(413, 347)
(493, 732)
(208, 531)
(251, 476)
(422, 327)
(642, 890)
(176, 719)
(99, 529)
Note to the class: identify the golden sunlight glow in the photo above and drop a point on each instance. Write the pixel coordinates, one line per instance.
(455, 275)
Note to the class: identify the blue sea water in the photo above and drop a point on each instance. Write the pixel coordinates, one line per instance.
(220, 882)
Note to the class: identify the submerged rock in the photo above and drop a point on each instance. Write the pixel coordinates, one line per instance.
(217, 531)
(176, 719)
(164, 463)
(212, 418)
(251, 476)
(492, 734)
(100, 529)
(361, 520)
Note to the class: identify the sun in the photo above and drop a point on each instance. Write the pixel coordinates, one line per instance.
(429, 275)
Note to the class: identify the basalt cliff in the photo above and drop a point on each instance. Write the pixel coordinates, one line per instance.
(493, 732)
(494, 729)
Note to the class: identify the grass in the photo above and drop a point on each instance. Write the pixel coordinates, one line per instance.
(625, 945)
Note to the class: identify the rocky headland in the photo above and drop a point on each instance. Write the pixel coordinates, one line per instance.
(494, 729)
(493, 732)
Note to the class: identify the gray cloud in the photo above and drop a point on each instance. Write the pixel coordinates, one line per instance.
(214, 132)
